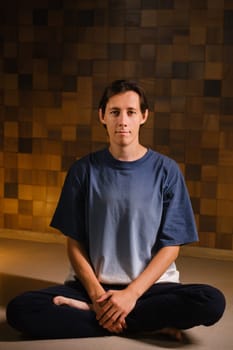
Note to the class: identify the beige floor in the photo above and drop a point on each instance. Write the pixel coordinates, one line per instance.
(25, 265)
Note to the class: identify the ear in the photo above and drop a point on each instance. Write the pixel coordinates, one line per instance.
(144, 117)
(101, 117)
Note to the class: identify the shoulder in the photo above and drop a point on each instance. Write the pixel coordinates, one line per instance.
(83, 164)
(166, 163)
(167, 170)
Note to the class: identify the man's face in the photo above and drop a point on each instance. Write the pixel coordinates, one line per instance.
(123, 118)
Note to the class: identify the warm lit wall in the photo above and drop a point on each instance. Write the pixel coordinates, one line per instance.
(55, 59)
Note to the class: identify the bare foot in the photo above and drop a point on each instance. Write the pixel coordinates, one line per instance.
(60, 300)
(173, 333)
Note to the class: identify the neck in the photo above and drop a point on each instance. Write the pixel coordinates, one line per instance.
(127, 154)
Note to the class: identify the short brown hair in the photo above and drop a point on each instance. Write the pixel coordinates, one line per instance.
(120, 86)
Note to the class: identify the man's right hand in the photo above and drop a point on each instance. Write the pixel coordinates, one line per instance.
(114, 325)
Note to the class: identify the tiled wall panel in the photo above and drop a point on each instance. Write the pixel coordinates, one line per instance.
(55, 59)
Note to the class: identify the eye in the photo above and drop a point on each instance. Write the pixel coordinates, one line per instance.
(131, 112)
(115, 112)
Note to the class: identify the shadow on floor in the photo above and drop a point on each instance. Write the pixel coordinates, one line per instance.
(7, 334)
(165, 341)
(10, 286)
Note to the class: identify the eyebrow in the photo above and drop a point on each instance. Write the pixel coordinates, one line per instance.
(118, 108)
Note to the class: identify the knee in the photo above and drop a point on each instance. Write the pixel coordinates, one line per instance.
(215, 305)
(14, 313)
(18, 311)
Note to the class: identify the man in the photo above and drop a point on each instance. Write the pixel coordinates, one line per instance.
(125, 211)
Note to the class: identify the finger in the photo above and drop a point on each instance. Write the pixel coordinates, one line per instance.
(116, 323)
(104, 311)
(117, 328)
(123, 322)
(109, 317)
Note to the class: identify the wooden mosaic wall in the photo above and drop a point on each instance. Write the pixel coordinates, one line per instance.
(55, 59)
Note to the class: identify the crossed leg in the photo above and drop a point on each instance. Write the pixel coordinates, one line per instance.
(60, 300)
(40, 314)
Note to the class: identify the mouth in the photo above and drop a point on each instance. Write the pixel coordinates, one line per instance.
(122, 132)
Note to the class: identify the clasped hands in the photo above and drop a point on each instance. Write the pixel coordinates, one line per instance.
(112, 308)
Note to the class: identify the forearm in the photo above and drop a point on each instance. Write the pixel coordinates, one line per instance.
(155, 269)
(122, 302)
(83, 269)
(85, 273)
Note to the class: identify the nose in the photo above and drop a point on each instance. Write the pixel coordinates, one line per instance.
(122, 120)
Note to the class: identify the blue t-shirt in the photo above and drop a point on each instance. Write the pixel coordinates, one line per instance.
(124, 212)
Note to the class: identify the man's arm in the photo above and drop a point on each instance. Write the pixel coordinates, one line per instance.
(83, 269)
(120, 303)
(85, 273)
(155, 269)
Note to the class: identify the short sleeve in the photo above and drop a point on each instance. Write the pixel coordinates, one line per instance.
(69, 215)
(178, 225)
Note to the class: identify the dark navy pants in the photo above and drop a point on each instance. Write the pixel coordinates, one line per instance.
(164, 305)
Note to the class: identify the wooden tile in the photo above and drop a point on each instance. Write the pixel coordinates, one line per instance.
(208, 190)
(25, 222)
(162, 104)
(225, 191)
(226, 157)
(207, 223)
(165, 53)
(40, 223)
(194, 187)
(39, 193)
(195, 104)
(24, 176)
(53, 194)
(10, 49)
(11, 221)
(209, 173)
(213, 70)
(209, 156)
(224, 224)
(210, 139)
(148, 18)
(10, 206)
(1, 161)
(99, 134)
(177, 121)
(25, 192)
(214, 53)
(10, 145)
(211, 122)
(25, 161)
(50, 206)
(208, 206)
(192, 155)
(180, 52)
(25, 207)
(224, 241)
(39, 208)
(11, 129)
(224, 208)
(207, 239)
(10, 160)
(10, 81)
(178, 87)
(198, 35)
(10, 175)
